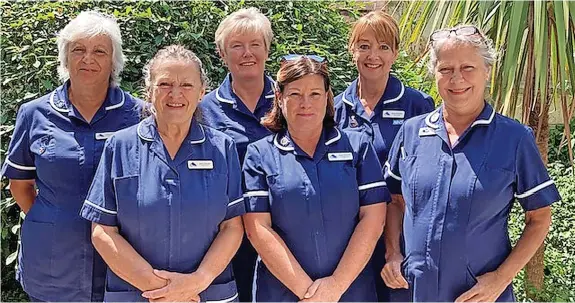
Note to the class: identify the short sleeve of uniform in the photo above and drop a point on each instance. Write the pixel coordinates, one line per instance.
(100, 204)
(391, 167)
(372, 188)
(19, 163)
(255, 182)
(236, 206)
(534, 188)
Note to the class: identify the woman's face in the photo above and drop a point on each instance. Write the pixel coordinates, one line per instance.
(90, 60)
(176, 89)
(460, 74)
(304, 102)
(373, 58)
(245, 55)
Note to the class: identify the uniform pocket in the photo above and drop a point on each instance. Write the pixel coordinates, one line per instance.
(226, 292)
(37, 250)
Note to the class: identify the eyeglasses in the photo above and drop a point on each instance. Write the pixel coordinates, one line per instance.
(461, 31)
(292, 57)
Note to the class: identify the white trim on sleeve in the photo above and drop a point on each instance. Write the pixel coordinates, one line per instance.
(257, 193)
(388, 167)
(236, 201)
(98, 207)
(534, 189)
(20, 167)
(230, 299)
(371, 185)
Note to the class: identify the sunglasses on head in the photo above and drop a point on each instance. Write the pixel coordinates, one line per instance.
(292, 57)
(460, 31)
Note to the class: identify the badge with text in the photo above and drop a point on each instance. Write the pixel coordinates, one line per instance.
(426, 131)
(393, 114)
(339, 156)
(200, 164)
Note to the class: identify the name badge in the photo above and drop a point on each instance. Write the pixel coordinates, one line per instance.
(393, 114)
(200, 164)
(339, 156)
(426, 131)
(103, 136)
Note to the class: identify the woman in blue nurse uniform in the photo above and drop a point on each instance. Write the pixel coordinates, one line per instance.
(56, 146)
(454, 175)
(243, 41)
(377, 103)
(166, 199)
(314, 195)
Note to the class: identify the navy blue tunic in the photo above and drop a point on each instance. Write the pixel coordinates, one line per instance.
(54, 145)
(458, 199)
(168, 210)
(397, 104)
(314, 203)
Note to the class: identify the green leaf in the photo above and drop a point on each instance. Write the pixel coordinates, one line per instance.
(11, 258)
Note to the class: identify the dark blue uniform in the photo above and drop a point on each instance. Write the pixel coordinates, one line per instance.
(397, 104)
(168, 210)
(458, 198)
(314, 204)
(58, 148)
(223, 110)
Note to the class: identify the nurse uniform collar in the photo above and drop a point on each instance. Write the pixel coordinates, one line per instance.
(61, 105)
(351, 93)
(285, 143)
(225, 95)
(484, 118)
(147, 131)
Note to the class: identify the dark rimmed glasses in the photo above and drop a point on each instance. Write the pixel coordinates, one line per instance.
(460, 31)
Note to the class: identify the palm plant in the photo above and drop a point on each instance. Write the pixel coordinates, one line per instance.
(535, 70)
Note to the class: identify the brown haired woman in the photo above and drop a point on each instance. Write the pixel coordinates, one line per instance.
(314, 195)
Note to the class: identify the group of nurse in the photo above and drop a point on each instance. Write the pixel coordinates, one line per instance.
(266, 190)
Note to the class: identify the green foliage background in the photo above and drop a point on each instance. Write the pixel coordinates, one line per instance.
(29, 61)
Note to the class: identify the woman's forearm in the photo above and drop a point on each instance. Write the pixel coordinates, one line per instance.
(278, 258)
(361, 245)
(24, 193)
(123, 259)
(393, 225)
(222, 250)
(537, 224)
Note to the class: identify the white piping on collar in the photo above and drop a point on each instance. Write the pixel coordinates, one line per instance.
(119, 104)
(203, 139)
(428, 119)
(65, 110)
(269, 96)
(384, 102)
(222, 99)
(398, 96)
(334, 139)
(485, 122)
(284, 148)
(62, 110)
(478, 122)
(139, 131)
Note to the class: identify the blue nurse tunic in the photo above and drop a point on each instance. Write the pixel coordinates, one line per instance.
(168, 210)
(397, 104)
(53, 144)
(314, 203)
(458, 198)
(223, 110)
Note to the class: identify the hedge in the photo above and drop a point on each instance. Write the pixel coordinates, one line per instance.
(29, 61)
